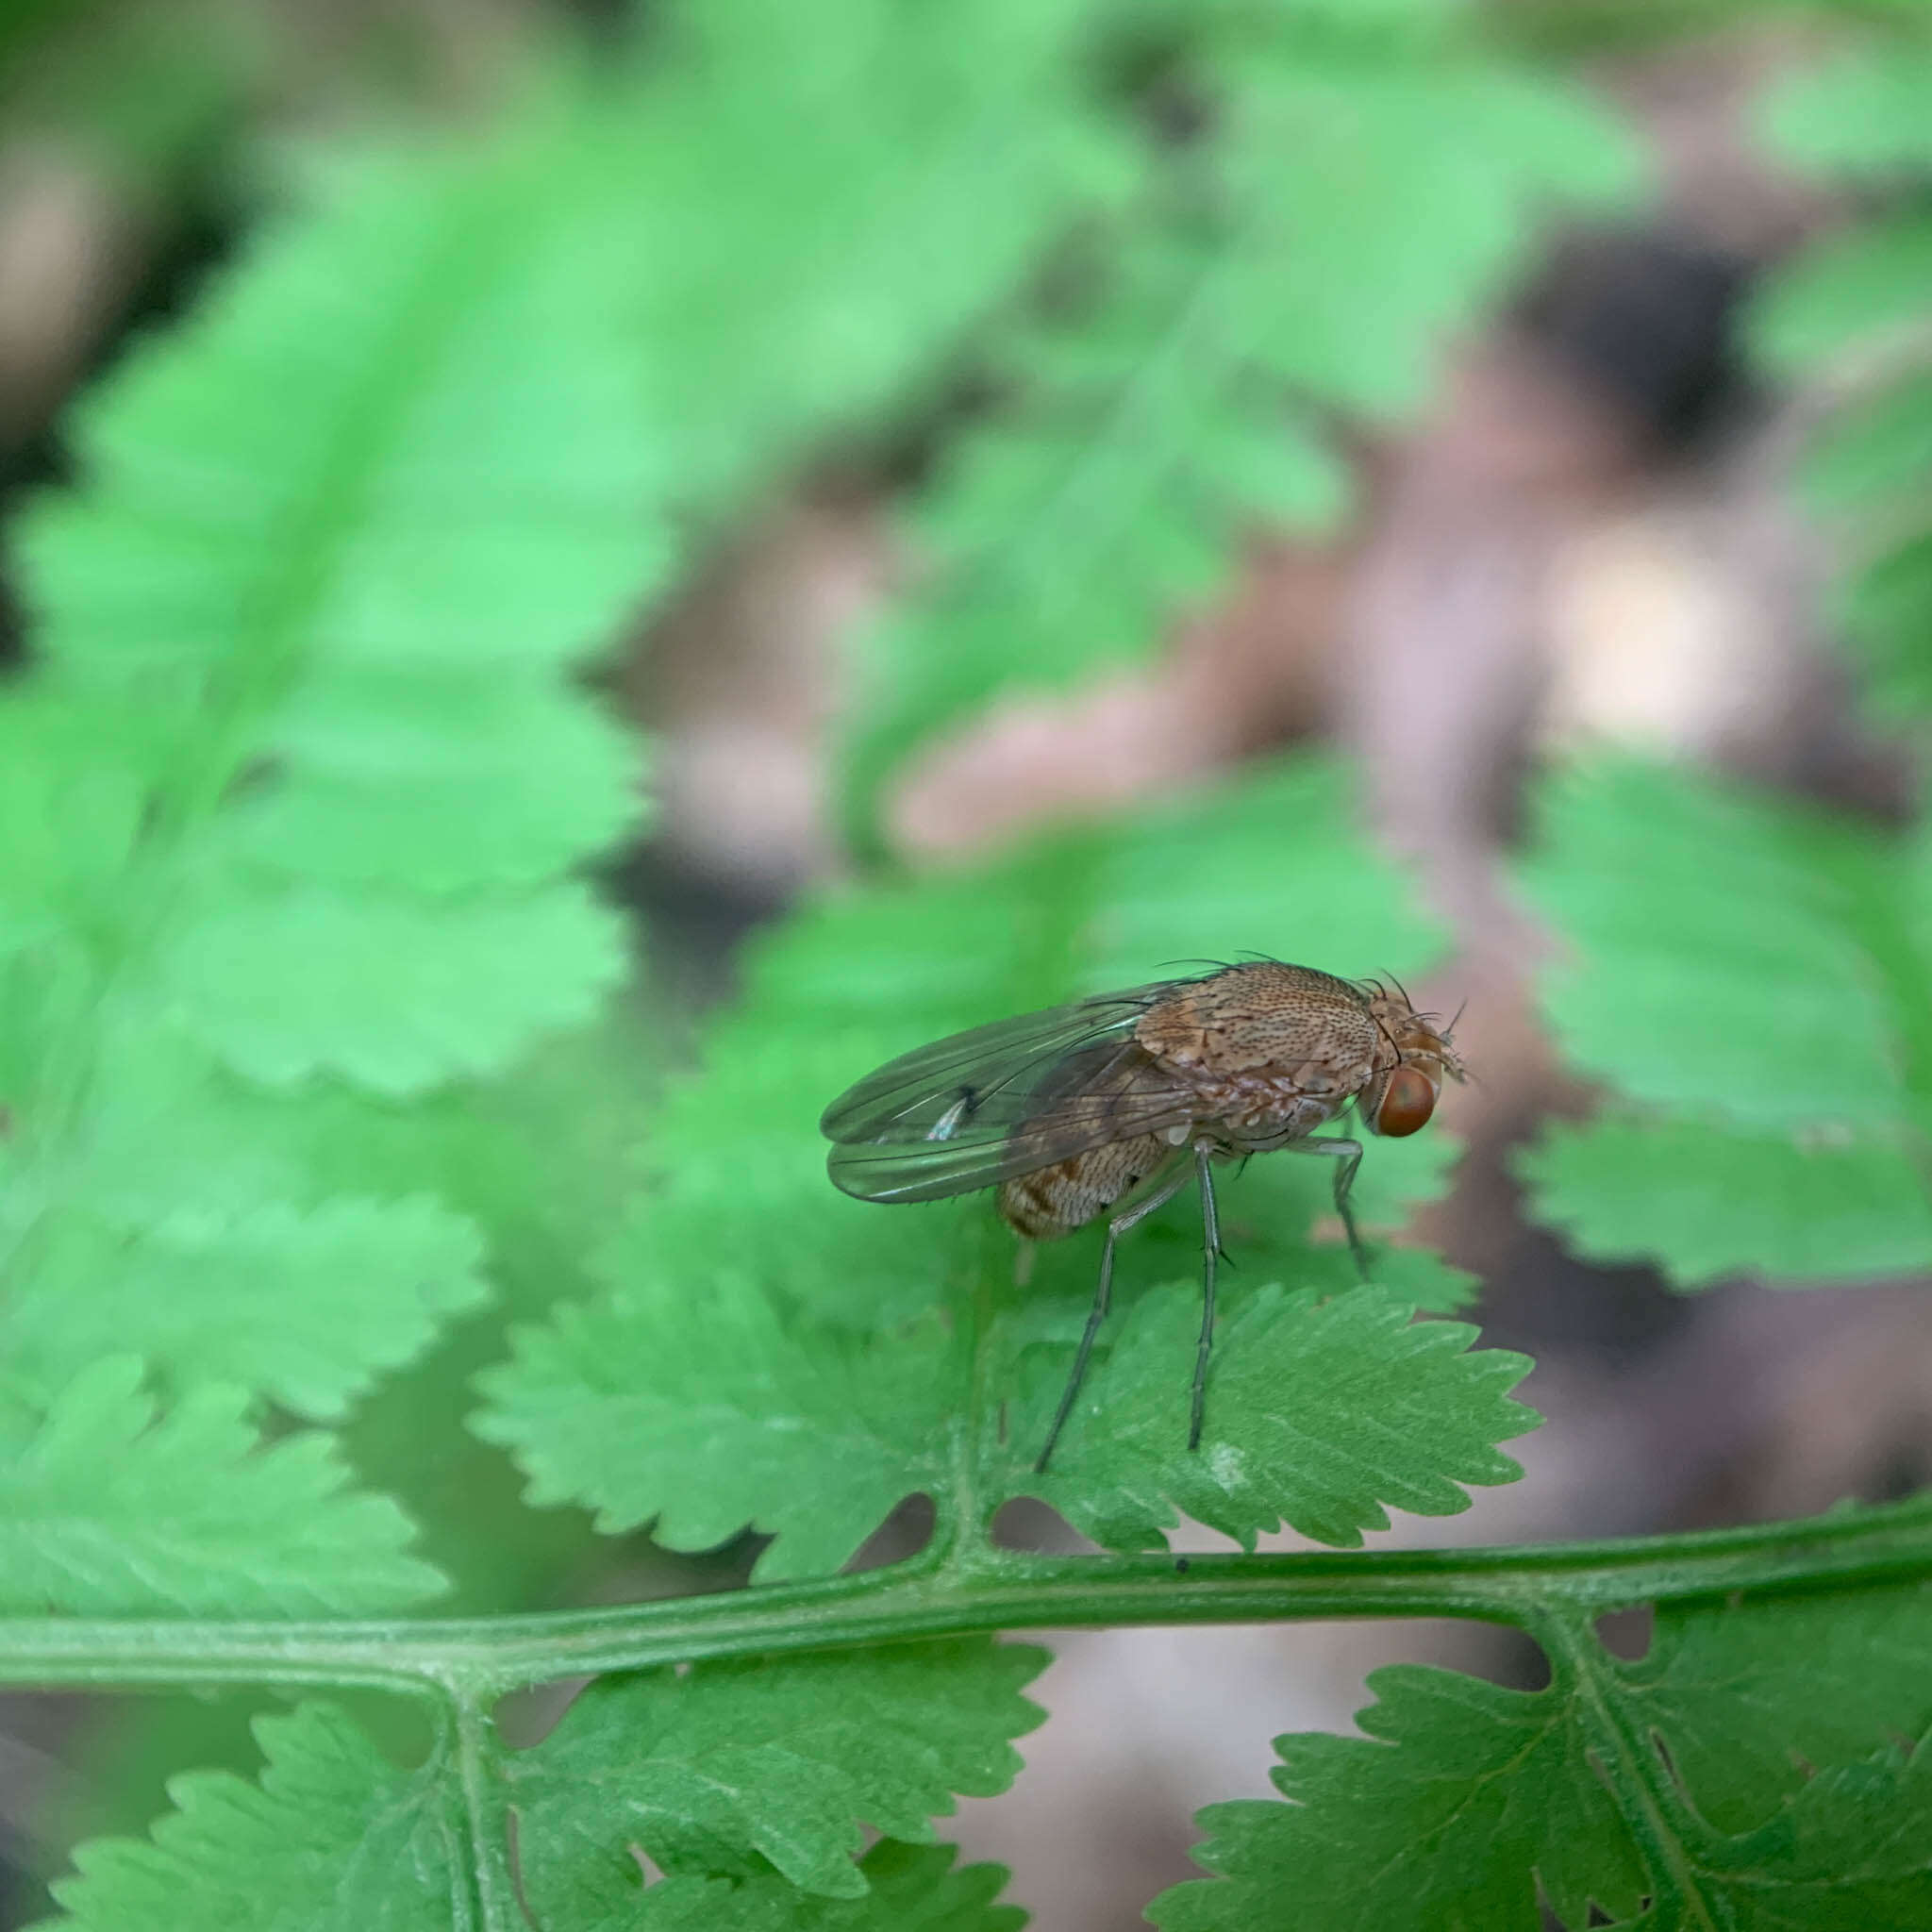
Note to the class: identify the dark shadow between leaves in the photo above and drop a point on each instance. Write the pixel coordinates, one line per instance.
(904, 1532)
(1024, 1522)
(1627, 1633)
(526, 1717)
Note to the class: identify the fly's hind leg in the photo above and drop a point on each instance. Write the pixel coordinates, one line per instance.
(1347, 1157)
(1211, 1247)
(1156, 1190)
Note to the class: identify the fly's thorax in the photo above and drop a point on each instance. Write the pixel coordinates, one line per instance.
(1265, 1036)
(1055, 1200)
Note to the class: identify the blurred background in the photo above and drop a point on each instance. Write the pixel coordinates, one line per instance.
(1568, 520)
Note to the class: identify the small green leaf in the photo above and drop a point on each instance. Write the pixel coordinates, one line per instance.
(1463, 1801)
(110, 1508)
(303, 1305)
(1747, 1696)
(1769, 1039)
(1319, 1415)
(741, 1768)
(1686, 1777)
(1625, 866)
(913, 1889)
(693, 1406)
(395, 994)
(1859, 114)
(430, 778)
(1717, 1201)
(1853, 1849)
(334, 1839)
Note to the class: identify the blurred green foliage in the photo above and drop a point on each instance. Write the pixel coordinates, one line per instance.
(1357, 186)
(1850, 315)
(322, 1069)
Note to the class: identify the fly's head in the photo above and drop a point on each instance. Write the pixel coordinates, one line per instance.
(1418, 1050)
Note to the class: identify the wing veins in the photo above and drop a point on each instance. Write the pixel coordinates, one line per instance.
(932, 1170)
(897, 1092)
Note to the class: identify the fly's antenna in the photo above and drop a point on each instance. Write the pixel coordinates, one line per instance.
(1448, 1037)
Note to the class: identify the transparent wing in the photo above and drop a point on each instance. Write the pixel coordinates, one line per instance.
(982, 1077)
(981, 1107)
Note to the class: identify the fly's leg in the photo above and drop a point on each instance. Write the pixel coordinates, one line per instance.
(1347, 1157)
(1141, 1208)
(1345, 1165)
(1211, 1247)
(1095, 1317)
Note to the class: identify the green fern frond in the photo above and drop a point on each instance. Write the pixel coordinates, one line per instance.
(110, 1508)
(302, 1304)
(1698, 924)
(1738, 1773)
(747, 1783)
(269, 819)
(769, 1766)
(830, 199)
(320, 518)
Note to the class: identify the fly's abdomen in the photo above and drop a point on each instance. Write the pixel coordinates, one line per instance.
(1055, 1200)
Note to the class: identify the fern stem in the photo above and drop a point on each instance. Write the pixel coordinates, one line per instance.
(1662, 1826)
(482, 1658)
(961, 1529)
(486, 1858)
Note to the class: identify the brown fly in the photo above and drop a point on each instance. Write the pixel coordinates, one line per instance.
(1105, 1107)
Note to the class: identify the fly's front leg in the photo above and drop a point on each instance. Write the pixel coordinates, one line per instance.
(1347, 1157)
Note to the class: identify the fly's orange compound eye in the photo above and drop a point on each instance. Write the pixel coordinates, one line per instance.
(1408, 1103)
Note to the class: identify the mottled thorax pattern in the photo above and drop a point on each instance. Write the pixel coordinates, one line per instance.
(1271, 1049)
